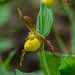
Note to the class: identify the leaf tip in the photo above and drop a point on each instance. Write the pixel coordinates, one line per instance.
(43, 4)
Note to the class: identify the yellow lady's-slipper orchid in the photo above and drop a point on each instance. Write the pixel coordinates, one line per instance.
(32, 44)
(35, 39)
(48, 2)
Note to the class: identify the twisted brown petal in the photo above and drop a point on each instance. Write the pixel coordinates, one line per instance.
(41, 47)
(51, 48)
(28, 21)
(49, 44)
(22, 57)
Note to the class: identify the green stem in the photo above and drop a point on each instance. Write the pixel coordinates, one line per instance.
(60, 42)
(45, 62)
(71, 15)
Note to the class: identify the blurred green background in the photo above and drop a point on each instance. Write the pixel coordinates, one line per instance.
(13, 33)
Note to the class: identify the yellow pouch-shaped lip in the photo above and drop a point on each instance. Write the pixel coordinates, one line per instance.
(32, 45)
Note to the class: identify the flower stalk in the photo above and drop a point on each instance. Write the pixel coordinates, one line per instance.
(45, 62)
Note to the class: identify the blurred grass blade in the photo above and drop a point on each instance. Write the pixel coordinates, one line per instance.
(2, 70)
(60, 41)
(5, 11)
(71, 14)
(8, 60)
(5, 44)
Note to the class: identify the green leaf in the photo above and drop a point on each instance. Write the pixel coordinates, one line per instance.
(35, 73)
(68, 66)
(5, 44)
(52, 62)
(5, 11)
(8, 60)
(45, 20)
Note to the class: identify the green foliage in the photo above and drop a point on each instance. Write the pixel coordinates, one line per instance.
(45, 20)
(33, 73)
(71, 16)
(52, 62)
(4, 14)
(67, 66)
(48, 63)
(3, 71)
(5, 44)
(8, 60)
(58, 67)
(4, 65)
